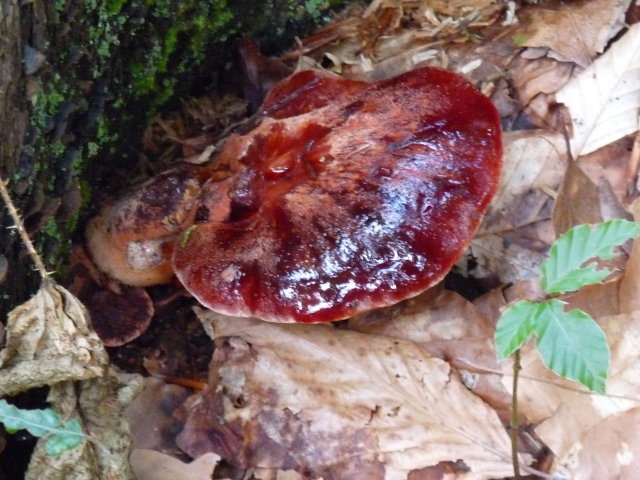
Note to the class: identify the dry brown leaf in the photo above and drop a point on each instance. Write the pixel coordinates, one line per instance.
(576, 31)
(49, 341)
(516, 232)
(610, 168)
(630, 284)
(599, 300)
(150, 415)
(609, 450)
(270, 474)
(448, 327)
(393, 37)
(334, 402)
(604, 100)
(535, 81)
(152, 465)
(532, 77)
(578, 201)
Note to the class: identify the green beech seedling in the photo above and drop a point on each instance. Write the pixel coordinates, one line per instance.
(570, 343)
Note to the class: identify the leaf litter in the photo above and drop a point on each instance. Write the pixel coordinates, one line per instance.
(415, 389)
(50, 342)
(373, 409)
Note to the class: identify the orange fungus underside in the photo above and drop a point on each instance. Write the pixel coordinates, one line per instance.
(345, 196)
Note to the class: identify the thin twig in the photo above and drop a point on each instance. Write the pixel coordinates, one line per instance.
(515, 419)
(472, 367)
(24, 236)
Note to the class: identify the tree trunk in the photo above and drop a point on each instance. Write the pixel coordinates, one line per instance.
(13, 123)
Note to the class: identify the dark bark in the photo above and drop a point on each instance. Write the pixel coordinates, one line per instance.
(13, 123)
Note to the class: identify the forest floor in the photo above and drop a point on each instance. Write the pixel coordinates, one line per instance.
(413, 390)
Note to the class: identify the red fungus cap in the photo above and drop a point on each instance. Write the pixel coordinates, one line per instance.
(346, 196)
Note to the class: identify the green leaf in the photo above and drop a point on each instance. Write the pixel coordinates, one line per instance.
(67, 440)
(572, 345)
(43, 423)
(563, 271)
(515, 327)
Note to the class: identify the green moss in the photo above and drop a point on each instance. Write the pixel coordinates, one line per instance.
(51, 228)
(57, 148)
(47, 102)
(114, 6)
(71, 224)
(85, 191)
(183, 45)
(316, 8)
(92, 149)
(520, 39)
(104, 134)
(78, 164)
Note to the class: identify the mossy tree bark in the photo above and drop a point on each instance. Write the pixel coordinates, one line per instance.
(79, 81)
(13, 123)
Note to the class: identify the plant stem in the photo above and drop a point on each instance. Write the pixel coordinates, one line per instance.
(24, 236)
(515, 421)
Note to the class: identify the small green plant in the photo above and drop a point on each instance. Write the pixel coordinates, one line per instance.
(61, 436)
(570, 343)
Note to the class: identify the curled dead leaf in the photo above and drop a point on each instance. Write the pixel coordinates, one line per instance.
(516, 231)
(152, 465)
(49, 340)
(576, 32)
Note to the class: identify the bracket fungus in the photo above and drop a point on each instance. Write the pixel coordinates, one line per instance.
(343, 197)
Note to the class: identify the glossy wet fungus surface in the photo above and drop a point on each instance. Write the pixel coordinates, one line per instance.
(345, 196)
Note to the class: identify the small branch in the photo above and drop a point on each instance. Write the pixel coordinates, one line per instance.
(515, 420)
(24, 236)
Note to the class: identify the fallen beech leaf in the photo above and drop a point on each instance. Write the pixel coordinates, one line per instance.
(332, 402)
(611, 165)
(448, 327)
(49, 341)
(576, 31)
(516, 231)
(630, 284)
(578, 201)
(609, 450)
(605, 98)
(150, 415)
(271, 474)
(538, 76)
(533, 165)
(152, 465)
